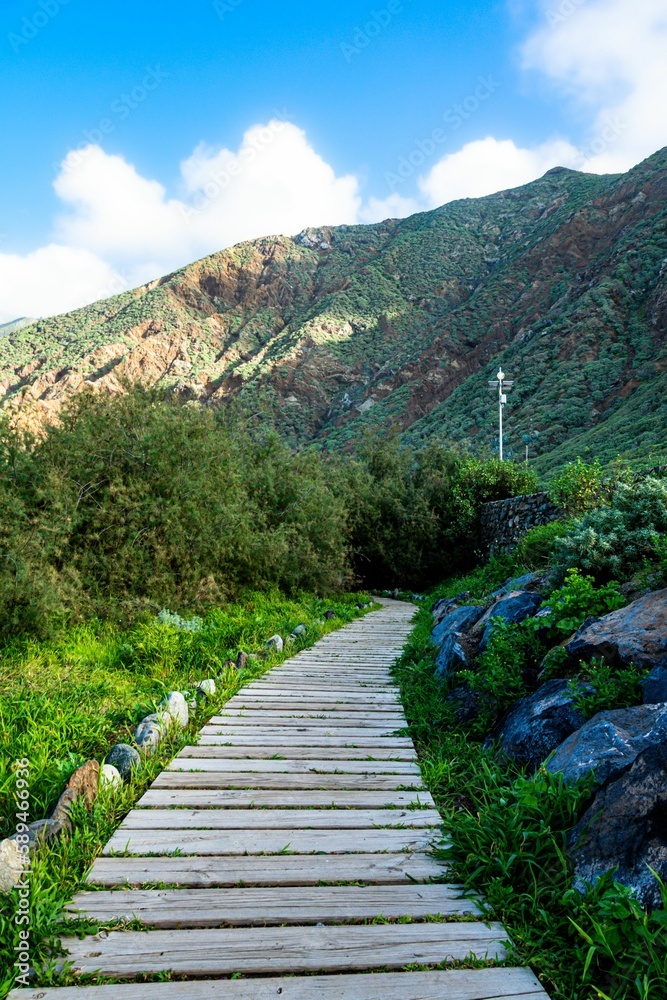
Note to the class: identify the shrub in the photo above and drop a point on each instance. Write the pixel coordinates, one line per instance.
(616, 540)
(536, 547)
(577, 487)
(579, 598)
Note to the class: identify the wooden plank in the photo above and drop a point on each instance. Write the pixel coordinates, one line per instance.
(279, 733)
(315, 722)
(247, 740)
(292, 705)
(265, 870)
(453, 984)
(333, 782)
(166, 908)
(270, 950)
(277, 716)
(284, 766)
(218, 798)
(208, 749)
(263, 841)
(277, 819)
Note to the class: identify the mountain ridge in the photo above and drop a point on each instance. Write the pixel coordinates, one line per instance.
(346, 330)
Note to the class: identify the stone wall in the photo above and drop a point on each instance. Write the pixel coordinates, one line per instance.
(503, 522)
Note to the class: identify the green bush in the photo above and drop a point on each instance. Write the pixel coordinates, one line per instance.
(579, 598)
(616, 540)
(536, 547)
(577, 487)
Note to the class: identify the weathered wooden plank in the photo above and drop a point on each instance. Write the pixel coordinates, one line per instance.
(265, 870)
(369, 743)
(234, 798)
(312, 722)
(350, 735)
(263, 841)
(167, 908)
(270, 950)
(207, 749)
(277, 716)
(292, 705)
(453, 984)
(351, 782)
(285, 766)
(277, 819)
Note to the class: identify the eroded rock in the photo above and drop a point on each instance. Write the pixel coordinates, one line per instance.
(461, 620)
(608, 744)
(655, 685)
(634, 634)
(124, 758)
(274, 645)
(13, 862)
(452, 656)
(515, 607)
(175, 705)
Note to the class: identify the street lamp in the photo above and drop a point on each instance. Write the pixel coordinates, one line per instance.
(503, 385)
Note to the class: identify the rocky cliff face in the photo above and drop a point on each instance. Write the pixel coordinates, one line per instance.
(563, 282)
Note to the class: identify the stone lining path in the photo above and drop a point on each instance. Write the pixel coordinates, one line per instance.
(297, 820)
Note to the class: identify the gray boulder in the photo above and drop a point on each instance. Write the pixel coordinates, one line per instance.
(206, 688)
(536, 725)
(624, 829)
(177, 707)
(152, 730)
(452, 656)
(274, 645)
(608, 744)
(634, 634)
(655, 685)
(529, 581)
(514, 607)
(460, 620)
(124, 758)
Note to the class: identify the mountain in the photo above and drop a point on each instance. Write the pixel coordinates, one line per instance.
(340, 331)
(15, 324)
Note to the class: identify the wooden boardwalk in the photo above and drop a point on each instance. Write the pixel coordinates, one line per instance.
(293, 838)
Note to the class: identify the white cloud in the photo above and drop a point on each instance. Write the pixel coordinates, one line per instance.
(610, 58)
(53, 279)
(488, 165)
(115, 220)
(395, 206)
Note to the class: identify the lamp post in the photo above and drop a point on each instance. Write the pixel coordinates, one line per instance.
(503, 385)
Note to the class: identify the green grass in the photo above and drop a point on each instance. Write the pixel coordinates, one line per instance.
(70, 699)
(508, 836)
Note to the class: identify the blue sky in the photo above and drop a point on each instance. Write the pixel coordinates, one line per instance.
(138, 136)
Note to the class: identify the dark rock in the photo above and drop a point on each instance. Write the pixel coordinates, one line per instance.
(452, 656)
(515, 607)
(465, 702)
(63, 807)
(124, 758)
(536, 725)
(229, 665)
(655, 685)
(529, 581)
(635, 634)
(445, 605)
(624, 829)
(241, 660)
(42, 831)
(608, 744)
(329, 615)
(394, 594)
(461, 620)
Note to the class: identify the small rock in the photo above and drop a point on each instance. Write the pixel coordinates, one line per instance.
(608, 743)
(85, 781)
(177, 707)
(124, 758)
(538, 724)
(153, 729)
(328, 615)
(529, 581)
(274, 645)
(634, 634)
(241, 660)
(445, 605)
(623, 829)
(395, 593)
(192, 705)
(452, 656)
(42, 831)
(465, 702)
(655, 685)
(230, 665)
(13, 861)
(110, 776)
(514, 608)
(207, 687)
(61, 810)
(299, 630)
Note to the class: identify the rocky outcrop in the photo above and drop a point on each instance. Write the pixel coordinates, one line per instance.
(451, 657)
(608, 744)
(504, 522)
(624, 829)
(461, 620)
(634, 634)
(538, 724)
(655, 685)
